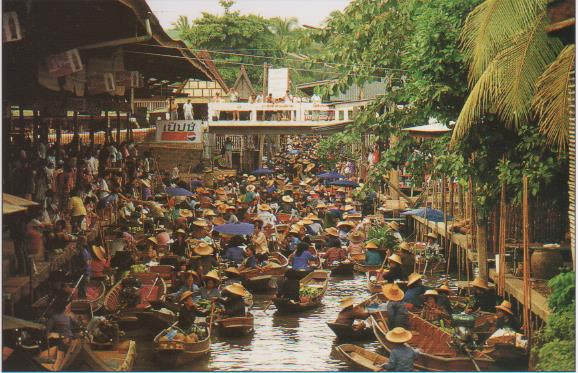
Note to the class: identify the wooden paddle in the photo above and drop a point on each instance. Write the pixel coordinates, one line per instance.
(152, 287)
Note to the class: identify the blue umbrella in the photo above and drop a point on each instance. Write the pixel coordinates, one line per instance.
(345, 183)
(262, 171)
(295, 151)
(235, 229)
(437, 216)
(178, 192)
(330, 175)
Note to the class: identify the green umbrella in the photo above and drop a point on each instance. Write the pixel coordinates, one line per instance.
(10, 323)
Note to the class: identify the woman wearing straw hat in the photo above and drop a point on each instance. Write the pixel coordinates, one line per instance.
(191, 278)
(233, 300)
(483, 298)
(211, 288)
(401, 356)
(234, 251)
(180, 247)
(188, 312)
(265, 215)
(443, 298)
(350, 312)
(505, 318)
(397, 314)
(372, 255)
(356, 239)
(394, 227)
(206, 260)
(100, 263)
(407, 258)
(431, 311)
(415, 291)
(394, 272)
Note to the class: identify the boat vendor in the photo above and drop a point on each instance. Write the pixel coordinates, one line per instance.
(415, 290)
(315, 228)
(233, 276)
(100, 263)
(180, 247)
(250, 261)
(211, 288)
(401, 356)
(233, 300)
(394, 273)
(394, 227)
(334, 253)
(431, 311)
(443, 298)
(505, 318)
(61, 326)
(332, 237)
(372, 255)
(483, 299)
(397, 313)
(191, 280)
(344, 228)
(188, 312)
(289, 288)
(234, 251)
(259, 239)
(356, 239)
(407, 258)
(350, 313)
(300, 259)
(206, 260)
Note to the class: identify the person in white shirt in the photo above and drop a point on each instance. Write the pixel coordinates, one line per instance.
(188, 110)
(265, 215)
(175, 173)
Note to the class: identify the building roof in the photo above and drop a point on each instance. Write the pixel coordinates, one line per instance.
(243, 84)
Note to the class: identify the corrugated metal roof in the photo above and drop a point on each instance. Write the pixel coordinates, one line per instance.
(368, 91)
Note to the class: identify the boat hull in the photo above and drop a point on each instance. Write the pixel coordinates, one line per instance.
(237, 326)
(347, 333)
(360, 358)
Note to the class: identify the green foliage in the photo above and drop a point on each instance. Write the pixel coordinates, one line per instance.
(558, 355)
(335, 148)
(563, 291)
(382, 236)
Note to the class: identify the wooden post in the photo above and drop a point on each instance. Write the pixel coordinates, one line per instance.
(91, 130)
(502, 244)
(76, 130)
(58, 138)
(265, 82)
(35, 127)
(118, 127)
(261, 149)
(525, 241)
(107, 135)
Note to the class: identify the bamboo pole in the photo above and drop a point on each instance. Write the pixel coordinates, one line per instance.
(525, 242)
(502, 244)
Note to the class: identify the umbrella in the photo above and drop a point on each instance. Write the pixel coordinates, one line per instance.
(178, 192)
(235, 229)
(330, 175)
(344, 183)
(437, 216)
(262, 171)
(11, 323)
(295, 151)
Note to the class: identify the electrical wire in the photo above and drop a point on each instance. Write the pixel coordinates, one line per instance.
(256, 65)
(275, 58)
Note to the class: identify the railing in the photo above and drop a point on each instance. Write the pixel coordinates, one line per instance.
(278, 112)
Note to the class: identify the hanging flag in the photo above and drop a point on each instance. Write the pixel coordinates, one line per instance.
(64, 64)
(11, 30)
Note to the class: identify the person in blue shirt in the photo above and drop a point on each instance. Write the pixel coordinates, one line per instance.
(234, 251)
(250, 261)
(300, 259)
(190, 285)
(415, 291)
(402, 356)
(372, 256)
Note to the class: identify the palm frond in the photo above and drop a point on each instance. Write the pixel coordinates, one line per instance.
(482, 99)
(490, 25)
(519, 67)
(552, 99)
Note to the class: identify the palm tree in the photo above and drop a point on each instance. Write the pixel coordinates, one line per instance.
(182, 25)
(282, 27)
(516, 70)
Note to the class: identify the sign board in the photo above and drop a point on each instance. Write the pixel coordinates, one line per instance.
(100, 83)
(11, 30)
(64, 63)
(278, 82)
(189, 131)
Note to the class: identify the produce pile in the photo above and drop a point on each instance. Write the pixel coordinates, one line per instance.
(308, 293)
(205, 305)
(136, 268)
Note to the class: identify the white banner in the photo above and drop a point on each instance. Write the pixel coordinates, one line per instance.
(278, 82)
(190, 131)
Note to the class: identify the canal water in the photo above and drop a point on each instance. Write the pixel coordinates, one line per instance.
(280, 342)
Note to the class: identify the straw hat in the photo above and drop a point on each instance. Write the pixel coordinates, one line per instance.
(395, 258)
(309, 167)
(208, 212)
(431, 292)
(185, 295)
(506, 307)
(153, 240)
(345, 224)
(347, 208)
(99, 252)
(251, 178)
(183, 213)
(346, 302)
(219, 221)
(332, 231)
(444, 289)
(404, 246)
(180, 231)
(146, 183)
(353, 216)
(190, 273)
(393, 225)
(398, 335)
(232, 270)
(307, 221)
(341, 190)
(214, 275)
(221, 177)
(356, 237)
(412, 278)
(392, 292)
(371, 245)
(220, 191)
(264, 207)
(237, 289)
(250, 188)
(203, 249)
(432, 235)
(479, 283)
(287, 199)
(313, 217)
(200, 223)
(321, 206)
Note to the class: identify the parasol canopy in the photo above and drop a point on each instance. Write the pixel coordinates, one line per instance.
(437, 216)
(430, 130)
(178, 192)
(11, 323)
(262, 171)
(235, 229)
(345, 183)
(330, 175)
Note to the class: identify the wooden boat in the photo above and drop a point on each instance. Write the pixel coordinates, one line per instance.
(177, 353)
(153, 288)
(361, 359)
(95, 293)
(373, 285)
(316, 279)
(344, 268)
(237, 326)
(435, 349)
(360, 267)
(54, 360)
(264, 279)
(347, 333)
(119, 358)
(506, 353)
(359, 258)
(156, 320)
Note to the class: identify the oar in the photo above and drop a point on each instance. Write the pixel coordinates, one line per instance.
(211, 318)
(473, 360)
(151, 290)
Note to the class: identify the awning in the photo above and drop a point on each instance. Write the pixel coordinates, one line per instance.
(18, 201)
(8, 209)
(432, 129)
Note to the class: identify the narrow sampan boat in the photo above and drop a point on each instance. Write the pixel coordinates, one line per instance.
(177, 353)
(347, 333)
(54, 360)
(237, 326)
(264, 279)
(360, 267)
(316, 280)
(344, 268)
(435, 351)
(120, 358)
(360, 358)
(373, 284)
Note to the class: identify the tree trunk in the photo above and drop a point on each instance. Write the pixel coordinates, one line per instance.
(482, 247)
